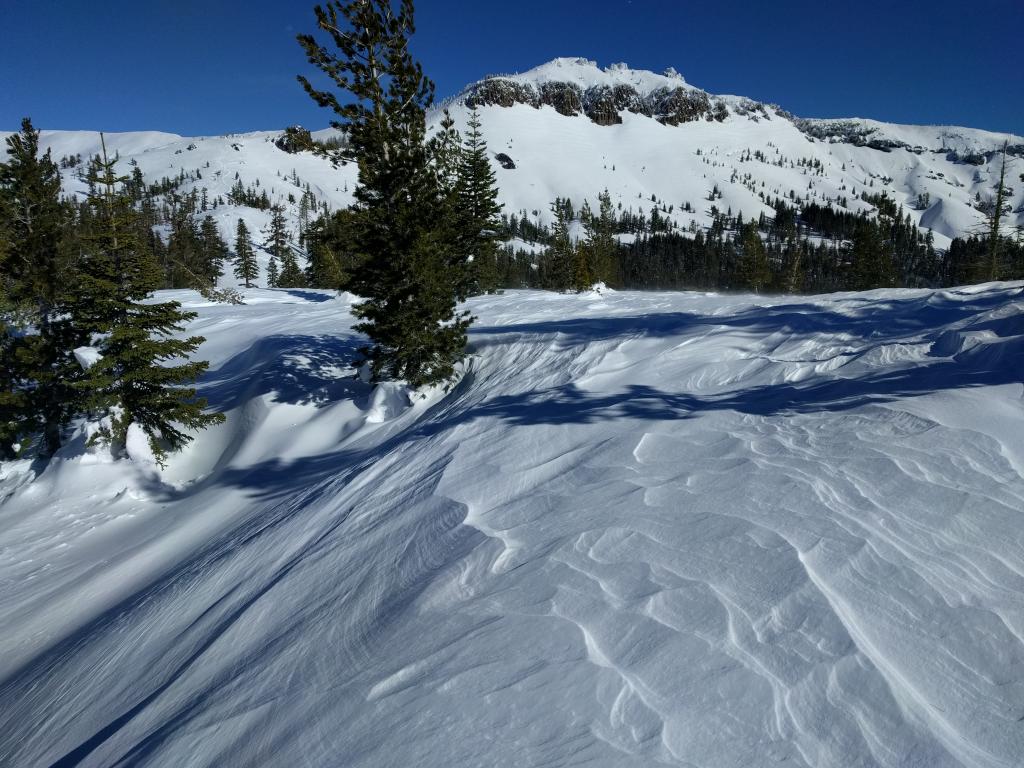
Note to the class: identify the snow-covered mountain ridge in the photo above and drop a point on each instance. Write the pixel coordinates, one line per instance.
(572, 129)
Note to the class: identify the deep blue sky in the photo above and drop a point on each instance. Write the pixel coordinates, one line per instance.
(215, 66)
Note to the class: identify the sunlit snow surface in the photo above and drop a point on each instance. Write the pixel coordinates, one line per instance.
(643, 529)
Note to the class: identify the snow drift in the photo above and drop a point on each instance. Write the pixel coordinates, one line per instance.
(671, 529)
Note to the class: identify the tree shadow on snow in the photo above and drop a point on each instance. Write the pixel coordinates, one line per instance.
(305, 369)
(293, 369)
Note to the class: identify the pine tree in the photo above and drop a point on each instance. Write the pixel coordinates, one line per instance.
(871, 258)
(329, 241)
(131, 380)
(479, 208)
(406, 275)
(213, 251)
(992, 269)
(272, 273)
(600, 244)
(281, 252)
(38, 275)
(754, 268)
(561, 256)
(246, 268)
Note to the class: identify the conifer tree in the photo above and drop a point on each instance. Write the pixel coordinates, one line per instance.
(213, 251)
(272, 272)
(281, 252)
(871, 258)
(38, 275)
(131, 380)
(600, 244)
(246, 268)
(561, 253)
(406, 274)
(992, 268)
(329, 242)
(479, 207)
(754, 268)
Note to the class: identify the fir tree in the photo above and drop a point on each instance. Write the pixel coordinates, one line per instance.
(213, 251)
(992, 268)
(38, 276)
(478, 207)
(561, 256)
(272, 272)
(246, 268)
(132, 380)
(754, 268)
(406, 273)
(871, 258)
(281, 252)
(330, 242)
(600, 244)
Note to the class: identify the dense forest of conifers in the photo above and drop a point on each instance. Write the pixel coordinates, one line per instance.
(810, 249)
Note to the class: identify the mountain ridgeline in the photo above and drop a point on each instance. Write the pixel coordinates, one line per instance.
(703, 191)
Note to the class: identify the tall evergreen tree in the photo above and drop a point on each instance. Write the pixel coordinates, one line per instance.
(246, 268)
(479, 207)
(992, 268)
(281, 252)
(409, 310)
(561, 254)
(132, 380)
(272, 272)
(330, 242)
(755, 270)
(600, 244)
(38, 274)
(871, 258)
(213, 251)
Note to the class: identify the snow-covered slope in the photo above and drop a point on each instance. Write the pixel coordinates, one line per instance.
(644, 529)
(573, 129)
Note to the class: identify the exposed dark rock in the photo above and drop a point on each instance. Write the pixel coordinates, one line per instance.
(679, 105)
(506, 161)
(599, 106)
(604, 104)
(566, 98)
(499, 92)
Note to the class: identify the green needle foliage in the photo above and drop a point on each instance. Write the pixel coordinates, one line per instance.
(410, 269)
(37, 271)
(246, 268)
(132, 380)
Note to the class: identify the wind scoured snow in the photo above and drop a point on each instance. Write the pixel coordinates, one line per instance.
(642, 528)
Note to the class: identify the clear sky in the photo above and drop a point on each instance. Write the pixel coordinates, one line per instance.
(200, 67)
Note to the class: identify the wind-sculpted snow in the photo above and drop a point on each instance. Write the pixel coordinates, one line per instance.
(642, 529)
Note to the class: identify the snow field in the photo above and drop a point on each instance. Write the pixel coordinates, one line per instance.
(642, 529)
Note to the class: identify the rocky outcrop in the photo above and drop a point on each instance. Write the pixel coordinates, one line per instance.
(566, 98)
(500, 92)
(680, 105)
(603, 104)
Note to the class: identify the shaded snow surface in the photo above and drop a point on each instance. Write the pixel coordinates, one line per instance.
(643, 529)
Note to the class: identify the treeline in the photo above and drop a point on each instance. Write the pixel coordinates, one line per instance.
(808, 249)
